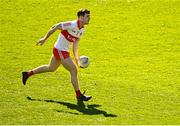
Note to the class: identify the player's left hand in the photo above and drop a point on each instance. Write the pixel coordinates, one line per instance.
(41, 41)
(77, 62)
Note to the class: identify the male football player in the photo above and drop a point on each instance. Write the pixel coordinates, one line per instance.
(71, 32)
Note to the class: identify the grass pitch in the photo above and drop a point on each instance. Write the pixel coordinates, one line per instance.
(134, 75)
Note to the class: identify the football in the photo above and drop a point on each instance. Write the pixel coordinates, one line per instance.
(84, 61)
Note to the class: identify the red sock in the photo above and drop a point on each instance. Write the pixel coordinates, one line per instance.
(30, 73)
(78, 93)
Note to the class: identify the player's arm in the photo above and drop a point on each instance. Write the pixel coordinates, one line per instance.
(75, 52)
(49, 33)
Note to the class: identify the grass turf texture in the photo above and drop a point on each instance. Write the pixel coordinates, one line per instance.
(134, 46)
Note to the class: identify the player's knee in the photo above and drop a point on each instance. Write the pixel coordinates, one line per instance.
(51, 69)
(74, 70)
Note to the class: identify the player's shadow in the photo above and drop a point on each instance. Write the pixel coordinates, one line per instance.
(80, 106)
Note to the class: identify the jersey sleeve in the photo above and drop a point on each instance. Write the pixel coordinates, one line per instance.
(69, 25)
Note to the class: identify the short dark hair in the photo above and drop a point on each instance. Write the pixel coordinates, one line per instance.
(82, 12)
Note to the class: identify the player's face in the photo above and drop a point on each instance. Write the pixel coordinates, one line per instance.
(86, 18)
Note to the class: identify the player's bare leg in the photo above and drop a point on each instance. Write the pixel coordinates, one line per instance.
(71, 67)
(52, 66)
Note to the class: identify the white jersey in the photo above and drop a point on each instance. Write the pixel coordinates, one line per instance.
(70, 33)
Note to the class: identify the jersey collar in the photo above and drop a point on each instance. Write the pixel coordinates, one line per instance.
(78, 23)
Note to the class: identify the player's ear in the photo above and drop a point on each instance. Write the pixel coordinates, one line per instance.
(80, 17)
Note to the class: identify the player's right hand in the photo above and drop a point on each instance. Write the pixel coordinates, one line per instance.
(41, 41)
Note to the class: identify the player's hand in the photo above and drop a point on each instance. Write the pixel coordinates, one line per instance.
(41, 41)
(78, 62)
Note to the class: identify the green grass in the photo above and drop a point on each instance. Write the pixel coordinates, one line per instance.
(134, 75)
